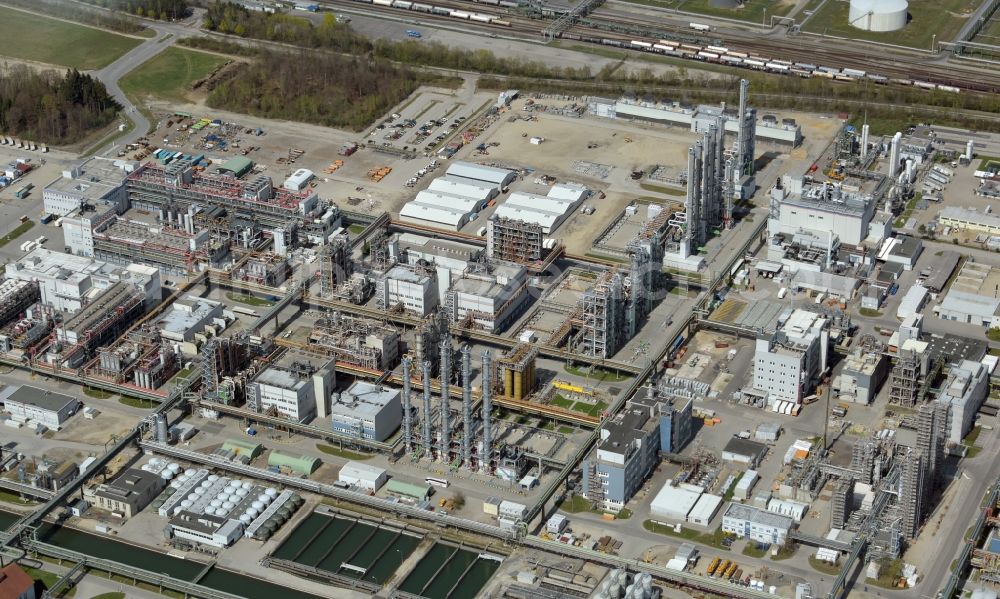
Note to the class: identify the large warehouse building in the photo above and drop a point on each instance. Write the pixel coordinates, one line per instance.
(451, 201)
(549, 210)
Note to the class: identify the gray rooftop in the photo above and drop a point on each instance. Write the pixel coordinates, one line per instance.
(757, 516)
(363, 399)
(97, 177)
(47, 400)
(746, 447)
(282, 378)
(188, 312)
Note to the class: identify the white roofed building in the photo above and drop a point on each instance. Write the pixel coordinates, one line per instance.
(364, 476)
(497, 177)
(434, 216)
(460, 186)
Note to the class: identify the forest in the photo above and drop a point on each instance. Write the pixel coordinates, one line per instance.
(164, 10)
(332, 90)
(49, 107)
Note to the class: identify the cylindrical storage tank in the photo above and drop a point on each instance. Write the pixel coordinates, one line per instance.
(190, 472)
(213, 477)
(224, 496)
(245, 519)
(241, 492)
(186, 503)
(200, 490)
(518, 385)
(210, 511)
(176, 483)
(205, 484)
(258, 505)
(252, 512)
(272, 493)
(174, 466)
(228, 505)
(878, 15)
(167, 474)
(193, 496)
(215, 503)
(247, 485)
(508, 382)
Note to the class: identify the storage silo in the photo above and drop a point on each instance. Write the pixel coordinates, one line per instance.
(878, 15)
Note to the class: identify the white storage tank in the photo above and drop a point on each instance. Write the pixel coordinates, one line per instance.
(878, 15)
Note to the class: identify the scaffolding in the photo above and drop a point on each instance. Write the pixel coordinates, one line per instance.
(223, 357)
(335, 265)
(515, 372)
(357, 341)
(513, 240)
(912, 493)
(603, 313)
(840, 503)
(904, 382)
(268, 270)
(16, 296)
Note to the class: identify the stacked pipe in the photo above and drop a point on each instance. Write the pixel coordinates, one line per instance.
(427, 440)
(407, 407)
(486, 455)
(445, 399)
(467, 406)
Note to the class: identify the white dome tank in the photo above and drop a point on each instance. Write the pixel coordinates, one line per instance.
(186, 503)
(228, 505)
(215, 503)
(174, 466)
(245, 519)
(247, 485)
(252, 512)
(190, 472)
(167, 474)
(257, 505)
(210, 511)
(241, 492)
(878, 15)
(224, 496)
(200, 490)
(271, 493)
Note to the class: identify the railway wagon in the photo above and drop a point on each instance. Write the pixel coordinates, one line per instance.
(699, 27)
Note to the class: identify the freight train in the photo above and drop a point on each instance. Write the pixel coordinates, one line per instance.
(448, 12)
(723, 55)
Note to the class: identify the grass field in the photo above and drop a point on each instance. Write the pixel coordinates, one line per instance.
(48, 580)
(755, 12)
(927, 17)
(169, 74)
(249, 299)
(574, 504)
(33, 37)
(21, 229)
(661, 189)
(713, 539)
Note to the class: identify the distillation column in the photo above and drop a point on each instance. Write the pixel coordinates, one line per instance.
(484, 457)
(445, 431)
(467, 406)
(407, 408)
(427, 440)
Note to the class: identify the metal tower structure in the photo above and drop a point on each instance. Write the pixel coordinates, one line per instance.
(467, 406)
(485, 457)
(745, 141)
(894, 152)
(407, 407)
(427, 440)
(728, 192)
(445, 427)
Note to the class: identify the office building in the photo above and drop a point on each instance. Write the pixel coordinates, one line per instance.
(747, 522)
(789, 362)
(367, 411)
(627, 451)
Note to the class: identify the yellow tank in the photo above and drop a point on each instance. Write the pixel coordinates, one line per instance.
(508, 383)
(518, 385)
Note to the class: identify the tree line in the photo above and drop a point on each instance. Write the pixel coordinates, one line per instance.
(53, 108)
(325, 89)
(164, 10)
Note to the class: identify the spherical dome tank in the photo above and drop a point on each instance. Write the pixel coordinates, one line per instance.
(878, 15)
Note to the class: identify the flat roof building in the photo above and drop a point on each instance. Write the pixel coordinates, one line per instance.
(744, 451)
(188, 316)
(47, 407)
(94, 181)
(364, 476)
(15, 583)
(756, 524)
(130, 493)
(965, 390)
(969, 219)
(367, 411)
(416, 292)
(972, 296)
(789, 362)
(460, 186)
(491, 296)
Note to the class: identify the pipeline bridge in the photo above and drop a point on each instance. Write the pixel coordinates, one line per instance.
(957, 572)
(24, 489)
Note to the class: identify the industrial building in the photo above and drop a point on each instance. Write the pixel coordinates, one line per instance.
(417, 293)
(743, 451)
(299, 465)
(140, 358)
(863, 375)
(16, 296)
(363, 476)
(629, 448)
(673, 502)
(187, 317)
(367, 411)
(809, 222)
(442, 253)
(548, 211)
(172, 249)
(357, 341)
(298, 180)
(967, 219)
(95, 181)
(789, 362)
(878, 15)
(498, 178)
(410, 492)
(96, 324)
(694, 118)
(153, 186)
(290, 389)
(458, 197)
(487, 296)
(15, 583)
(26, 403)
(964, 392)
(795, 510)
(758, 525)
(514, 240)
(130, 493)
(972, 296)
(67, 283)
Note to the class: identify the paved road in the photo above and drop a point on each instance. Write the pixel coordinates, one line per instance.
(111, 74)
